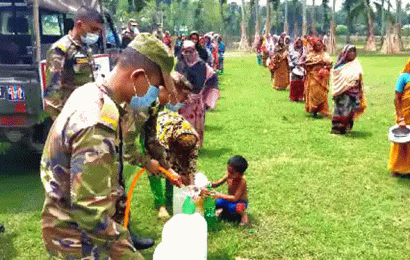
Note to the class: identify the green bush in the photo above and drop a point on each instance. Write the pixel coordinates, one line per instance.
(341, 29)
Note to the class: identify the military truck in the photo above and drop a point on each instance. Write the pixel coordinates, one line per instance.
(27, 30)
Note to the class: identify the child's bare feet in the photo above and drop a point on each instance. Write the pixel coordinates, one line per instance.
(244, 219)
(218, 212)
(163, 213)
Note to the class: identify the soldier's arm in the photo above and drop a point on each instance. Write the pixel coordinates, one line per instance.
(94, 183)
(133, 153)
(55, 63)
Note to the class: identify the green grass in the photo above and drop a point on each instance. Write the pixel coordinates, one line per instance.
(312, 195)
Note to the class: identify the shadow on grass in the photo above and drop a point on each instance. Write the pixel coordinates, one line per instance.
(361, 134)
(213, 153)
(7, 249)
(213, 128)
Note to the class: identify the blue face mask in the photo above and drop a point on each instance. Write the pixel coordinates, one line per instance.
(142, 104)
(90, 38)
(175, 107)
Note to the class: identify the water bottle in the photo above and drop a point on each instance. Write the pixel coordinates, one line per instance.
(209, 209)
(189, 206)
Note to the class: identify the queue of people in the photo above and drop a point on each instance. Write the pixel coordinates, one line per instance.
(305, 67)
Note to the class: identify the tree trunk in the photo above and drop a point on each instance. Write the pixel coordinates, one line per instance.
(398, 25)
(268, 17)
(349, 24)
(332, 41)
(257, 18)
(285, 24)
(304, 26)
(312, 19)
(243, 44)
(371, 40)
(389, 46)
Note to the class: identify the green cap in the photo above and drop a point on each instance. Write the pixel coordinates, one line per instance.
(149, 46)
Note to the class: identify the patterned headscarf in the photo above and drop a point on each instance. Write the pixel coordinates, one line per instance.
(175, 131)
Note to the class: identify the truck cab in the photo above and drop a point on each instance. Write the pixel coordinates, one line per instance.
(22, 73)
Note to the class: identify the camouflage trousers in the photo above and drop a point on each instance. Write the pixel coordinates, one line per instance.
(66, 241)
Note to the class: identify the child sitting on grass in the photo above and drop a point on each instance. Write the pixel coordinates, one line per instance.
(236, 201)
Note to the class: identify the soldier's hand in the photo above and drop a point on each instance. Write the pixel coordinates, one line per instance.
(153, 167)
(177, 180)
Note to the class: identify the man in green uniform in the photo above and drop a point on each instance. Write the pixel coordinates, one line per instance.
(81, 167)
(69, 60)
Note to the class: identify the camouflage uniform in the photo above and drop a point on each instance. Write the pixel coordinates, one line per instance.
(81, 174)
(69, 65)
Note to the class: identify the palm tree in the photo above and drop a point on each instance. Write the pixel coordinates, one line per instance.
(371, 40)
(348, 6)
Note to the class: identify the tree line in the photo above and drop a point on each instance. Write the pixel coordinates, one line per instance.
(356, 17)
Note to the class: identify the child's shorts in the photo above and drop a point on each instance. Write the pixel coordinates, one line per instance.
(233, 207)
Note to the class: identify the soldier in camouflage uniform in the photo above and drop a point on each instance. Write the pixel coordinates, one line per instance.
(69, 60)
(81, 167)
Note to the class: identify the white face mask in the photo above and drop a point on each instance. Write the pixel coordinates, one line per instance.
(90, 38)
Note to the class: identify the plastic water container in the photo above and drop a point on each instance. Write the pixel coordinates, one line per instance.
(184, 237)
(180, 194)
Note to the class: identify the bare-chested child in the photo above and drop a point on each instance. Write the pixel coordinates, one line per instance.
(236, 201)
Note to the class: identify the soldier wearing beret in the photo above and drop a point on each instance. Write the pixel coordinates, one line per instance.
(81, 166)
(69, 60)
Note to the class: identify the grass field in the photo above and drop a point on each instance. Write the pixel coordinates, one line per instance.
(313, 195)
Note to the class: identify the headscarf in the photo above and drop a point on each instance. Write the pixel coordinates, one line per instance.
(343, 55)
(189, 53)
(346, 75)
(313, 57)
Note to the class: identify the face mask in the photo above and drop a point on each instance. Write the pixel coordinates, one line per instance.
(175, 107)
(135, 30)
(90, 38)
(142, 104)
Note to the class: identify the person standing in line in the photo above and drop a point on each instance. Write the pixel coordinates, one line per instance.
(317, 65)
(399, 162)
(348, 95)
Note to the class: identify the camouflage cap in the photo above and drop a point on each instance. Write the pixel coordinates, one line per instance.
(149, 46)
(152, 48)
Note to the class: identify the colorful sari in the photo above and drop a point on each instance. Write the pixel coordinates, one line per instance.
(348, 95)
(317, 80)
(399, 162)
(279, 67)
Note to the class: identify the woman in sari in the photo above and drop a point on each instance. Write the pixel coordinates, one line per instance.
(317, 65)
(297, 76)
(348, 93)
(205, 90)
(399, 163)
(279, 66)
